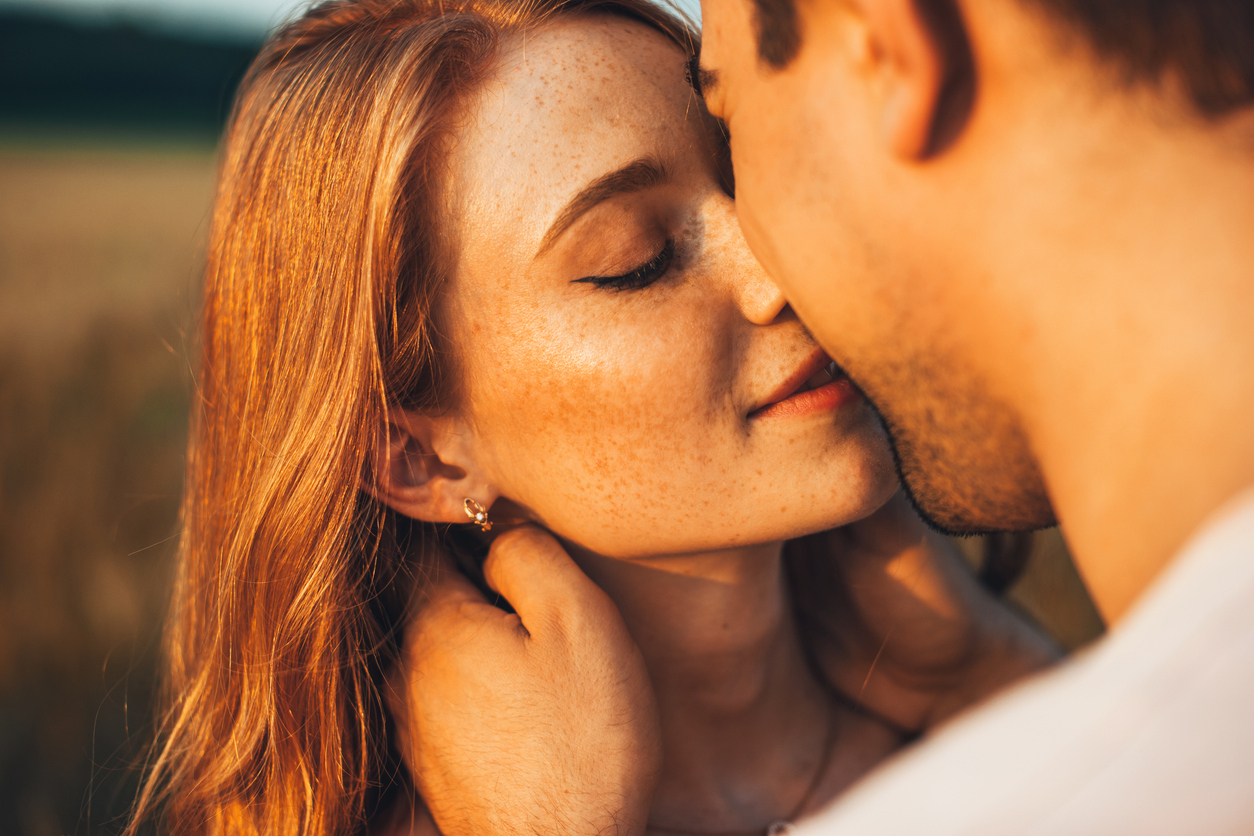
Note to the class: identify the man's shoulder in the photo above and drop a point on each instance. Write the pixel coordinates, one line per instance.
(1149, 731)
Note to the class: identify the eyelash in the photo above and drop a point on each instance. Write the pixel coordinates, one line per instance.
(643, 276)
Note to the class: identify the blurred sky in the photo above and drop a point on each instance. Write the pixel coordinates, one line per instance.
(243, 17)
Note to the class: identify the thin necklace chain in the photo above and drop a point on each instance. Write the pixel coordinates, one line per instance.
(779, 825)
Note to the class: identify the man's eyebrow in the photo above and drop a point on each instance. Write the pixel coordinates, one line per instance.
(707, 81)
(636, 176)
(703, 80)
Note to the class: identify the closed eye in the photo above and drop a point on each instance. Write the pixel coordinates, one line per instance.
(643, 276)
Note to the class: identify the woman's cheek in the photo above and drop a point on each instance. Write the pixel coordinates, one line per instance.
(599, 451)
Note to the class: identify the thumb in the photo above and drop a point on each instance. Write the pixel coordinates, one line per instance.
(538, 578)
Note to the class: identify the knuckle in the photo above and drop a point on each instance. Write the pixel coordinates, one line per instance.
(521, 543)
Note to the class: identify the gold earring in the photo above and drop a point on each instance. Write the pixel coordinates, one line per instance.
(477, 513)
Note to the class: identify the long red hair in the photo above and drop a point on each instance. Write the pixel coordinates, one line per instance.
(325, 264)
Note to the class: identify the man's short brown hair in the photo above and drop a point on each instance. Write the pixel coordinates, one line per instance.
(1207, 44)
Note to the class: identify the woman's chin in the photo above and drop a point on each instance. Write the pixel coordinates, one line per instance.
(741, 528)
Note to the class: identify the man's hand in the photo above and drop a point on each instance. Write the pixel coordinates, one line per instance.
(542, 722)
(900, 624)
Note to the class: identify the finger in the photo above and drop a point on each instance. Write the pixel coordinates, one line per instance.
(449, 608)
(440, 579)
(536, 575)
(448, 586)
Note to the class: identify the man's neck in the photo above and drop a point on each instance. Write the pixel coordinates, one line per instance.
(1136, 472)
(1141, 342)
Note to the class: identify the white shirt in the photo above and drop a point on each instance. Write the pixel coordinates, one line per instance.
(1148, 733)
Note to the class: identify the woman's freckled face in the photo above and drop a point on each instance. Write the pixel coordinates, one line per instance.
(620, 414)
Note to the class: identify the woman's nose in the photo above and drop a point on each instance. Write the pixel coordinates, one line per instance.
(761, 300)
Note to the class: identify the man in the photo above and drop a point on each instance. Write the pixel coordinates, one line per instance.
(1023, 228)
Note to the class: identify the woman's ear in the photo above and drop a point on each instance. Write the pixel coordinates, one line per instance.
(423, 467)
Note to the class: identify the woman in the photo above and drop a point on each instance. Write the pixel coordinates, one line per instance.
(477, 262)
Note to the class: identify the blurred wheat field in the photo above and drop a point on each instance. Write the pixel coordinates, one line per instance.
(99, 252)
(100, 248)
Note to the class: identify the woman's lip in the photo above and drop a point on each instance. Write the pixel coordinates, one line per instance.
(823, 399)
(795, 381)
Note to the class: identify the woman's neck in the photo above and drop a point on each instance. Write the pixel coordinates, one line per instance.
(743, 718)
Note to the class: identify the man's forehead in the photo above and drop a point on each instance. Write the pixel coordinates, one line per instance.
(727, 37)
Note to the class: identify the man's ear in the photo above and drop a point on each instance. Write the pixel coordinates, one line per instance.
(918, 60)
(423, 467)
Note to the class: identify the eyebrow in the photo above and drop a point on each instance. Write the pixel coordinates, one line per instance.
(636, 176)
(705, 81)
(700, 79)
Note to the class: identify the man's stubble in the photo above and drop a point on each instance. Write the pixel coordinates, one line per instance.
(963, 459)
